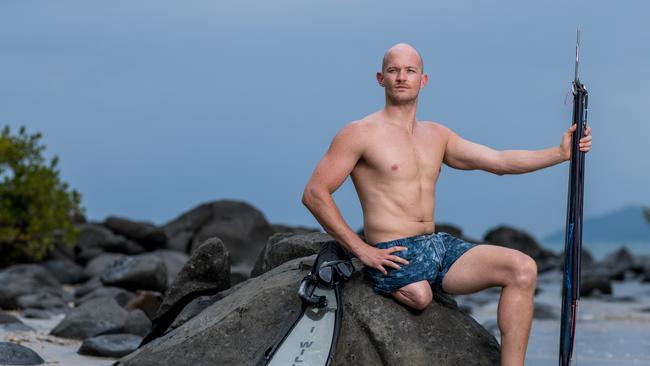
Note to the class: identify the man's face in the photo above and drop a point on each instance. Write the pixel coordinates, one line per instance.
(402, 76)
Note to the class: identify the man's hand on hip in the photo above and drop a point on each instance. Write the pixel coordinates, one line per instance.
(378, 258)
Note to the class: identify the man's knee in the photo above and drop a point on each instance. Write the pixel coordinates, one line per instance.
(525, 272)
(419, 296)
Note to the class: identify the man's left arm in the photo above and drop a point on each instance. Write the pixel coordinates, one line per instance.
(467, 155)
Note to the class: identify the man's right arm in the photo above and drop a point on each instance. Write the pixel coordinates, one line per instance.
(336, 165)
(343, 154)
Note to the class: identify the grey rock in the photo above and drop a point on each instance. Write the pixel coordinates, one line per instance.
(206, 273)
(98, 265)
(238, 329)
(242, 228)
(147, 301)
(110, 345)
(65, 271)
(36, 314)
(545, 311)
(144, 233)
(16, 327)
(87, 287)
(94, 317)
(516, 239)
(94, 239)
(6, 318)
(15, 354)
(137, 323)
(454, 231)
(9, 322)
(137, 273)
(492, 326)
(282, 228)
(595, 282)
(283, 247)
(619, 263)
(173, 260)
(192, 309)
(44, 298)
(120, 295)
(24, 279)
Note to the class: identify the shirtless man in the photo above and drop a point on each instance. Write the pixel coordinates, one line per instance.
(394, 161)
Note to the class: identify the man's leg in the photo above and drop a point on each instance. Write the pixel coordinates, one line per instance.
(417, 295)
(486, 266)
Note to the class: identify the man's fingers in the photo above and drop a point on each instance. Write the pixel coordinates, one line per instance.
(382, 270)
(396, 249)
(397, 259)
(391, 264)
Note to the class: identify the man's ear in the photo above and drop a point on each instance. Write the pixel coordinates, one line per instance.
(424, 80)
(380, 78)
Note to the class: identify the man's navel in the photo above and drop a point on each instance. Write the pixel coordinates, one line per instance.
(394, 167)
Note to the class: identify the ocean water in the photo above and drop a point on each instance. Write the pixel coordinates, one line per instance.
(600, 249)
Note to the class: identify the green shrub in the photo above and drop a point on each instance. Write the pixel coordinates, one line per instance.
(36, 207)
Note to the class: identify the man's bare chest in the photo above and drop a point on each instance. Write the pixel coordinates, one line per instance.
(396, 157)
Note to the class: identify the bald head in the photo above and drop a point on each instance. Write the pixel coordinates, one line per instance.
(402, 49)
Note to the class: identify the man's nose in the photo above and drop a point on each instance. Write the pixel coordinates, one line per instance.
(401, 75)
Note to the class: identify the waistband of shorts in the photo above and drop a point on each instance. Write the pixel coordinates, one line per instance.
(404, 241)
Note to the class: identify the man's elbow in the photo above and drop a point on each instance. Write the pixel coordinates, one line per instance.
(310, 195)
(498, 171)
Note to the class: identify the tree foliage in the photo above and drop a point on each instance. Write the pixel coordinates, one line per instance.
(36, 207)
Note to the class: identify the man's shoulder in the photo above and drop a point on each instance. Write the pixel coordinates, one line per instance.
(437, 128)
(435, 125)
(358, 127)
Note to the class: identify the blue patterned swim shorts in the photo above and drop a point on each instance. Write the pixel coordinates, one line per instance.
(430, 256)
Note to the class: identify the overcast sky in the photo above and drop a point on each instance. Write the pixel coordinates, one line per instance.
(156, 106)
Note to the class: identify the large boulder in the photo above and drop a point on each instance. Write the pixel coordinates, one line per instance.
(454, 231)
(15, 354)
(24, 279)
(206, 273)
(376, 330)
(100, 316)
(144, 233)
(282, 228)
(120, 295)
(65, 270)
(98, 265)
(110, 345)
(595, 282)
(94, 239)
(173, 260)
(137, 273)
(50, 298)
(516, 239)
(283, 247)
(621, 262)
(242, 228)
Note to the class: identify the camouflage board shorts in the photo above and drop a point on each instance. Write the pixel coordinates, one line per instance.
(430, 256)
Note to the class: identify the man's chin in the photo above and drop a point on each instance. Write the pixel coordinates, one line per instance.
(402, 99)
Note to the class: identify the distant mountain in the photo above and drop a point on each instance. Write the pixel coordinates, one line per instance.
(627, 224)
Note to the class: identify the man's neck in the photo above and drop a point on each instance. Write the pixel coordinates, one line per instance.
(403, 115)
